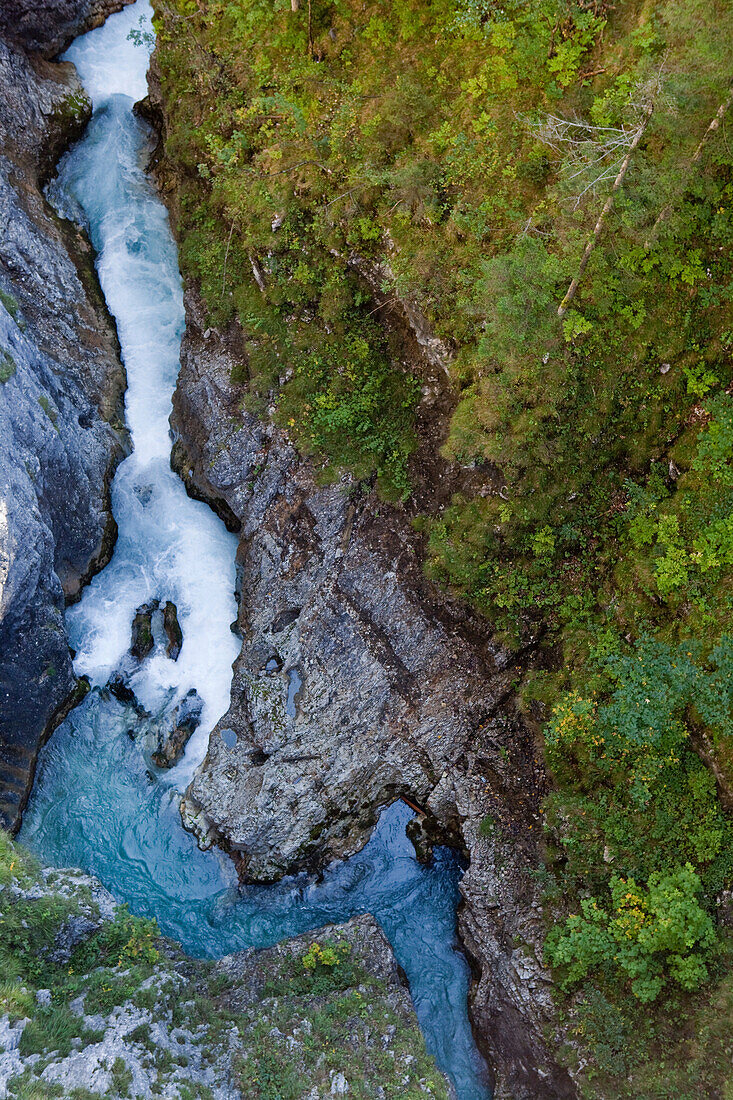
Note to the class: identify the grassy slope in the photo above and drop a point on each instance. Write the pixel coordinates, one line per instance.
(402, 135)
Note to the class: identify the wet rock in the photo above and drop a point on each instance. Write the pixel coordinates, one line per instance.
(46, 26)
(118, 686)
(185, 719)
(424, 833)
(142, 640)
(60, 405)
(172, 630)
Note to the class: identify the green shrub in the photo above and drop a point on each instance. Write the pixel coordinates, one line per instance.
(648, 936)
(7, 366)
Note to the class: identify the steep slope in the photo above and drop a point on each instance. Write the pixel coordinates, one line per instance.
(61, 385)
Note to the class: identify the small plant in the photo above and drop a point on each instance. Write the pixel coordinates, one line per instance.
(15, 1001)
(52, 1029)
(7, 366)
(27, 1087)
(126, 939)
(121, 1077)
(11, 305)
(48, 408)
(317, 956)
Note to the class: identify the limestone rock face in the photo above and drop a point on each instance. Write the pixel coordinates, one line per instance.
(358, 683)
(47, 26)
(60, 393)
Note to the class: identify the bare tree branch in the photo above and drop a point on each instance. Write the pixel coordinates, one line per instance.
(573, 288)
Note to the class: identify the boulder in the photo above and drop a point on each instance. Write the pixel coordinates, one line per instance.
(173, 630)
(172, 741)
(142, 640)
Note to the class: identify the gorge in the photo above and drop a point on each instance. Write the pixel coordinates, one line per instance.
(365, 591)
(95, 807)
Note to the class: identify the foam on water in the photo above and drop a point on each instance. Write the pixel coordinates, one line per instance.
(169, 546)
(96, 803)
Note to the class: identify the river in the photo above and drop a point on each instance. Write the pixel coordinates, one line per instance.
(97, 802)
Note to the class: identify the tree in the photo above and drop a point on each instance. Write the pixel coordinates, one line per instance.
(651, 936)
(593, 155)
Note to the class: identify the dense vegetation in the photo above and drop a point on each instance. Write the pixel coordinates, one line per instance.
(337, 158)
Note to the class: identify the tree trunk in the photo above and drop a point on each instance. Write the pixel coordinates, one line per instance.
(573, 288)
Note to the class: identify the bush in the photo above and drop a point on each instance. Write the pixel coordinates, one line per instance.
(647, 937)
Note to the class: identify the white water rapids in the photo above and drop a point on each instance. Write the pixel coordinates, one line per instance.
(169, 546)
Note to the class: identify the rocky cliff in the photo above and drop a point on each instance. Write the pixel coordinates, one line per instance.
(47, 26)
(61, 385)
(359, 683)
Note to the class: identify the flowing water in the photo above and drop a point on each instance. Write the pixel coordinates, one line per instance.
(97, 802)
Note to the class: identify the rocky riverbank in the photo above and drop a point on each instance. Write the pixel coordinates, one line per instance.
(46, 27)
(61, 386)
(98, 1003)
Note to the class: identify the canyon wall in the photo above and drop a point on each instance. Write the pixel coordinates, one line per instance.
(358, 682)
(61, 386)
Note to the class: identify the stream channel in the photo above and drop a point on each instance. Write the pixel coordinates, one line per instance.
(97, 802)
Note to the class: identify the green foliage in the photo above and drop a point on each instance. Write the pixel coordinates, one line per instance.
(52, 1029)
(651, 936)
(15, 1002)
(603, 1028)
(7, 366)
(27, 932)
(324, 967)
(28, 1087)
(129, 939)
(10, 303)
(359, 410)
(399, 146)
(317, 956)
(49, 409)
(15, 864)
(121, 1077)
